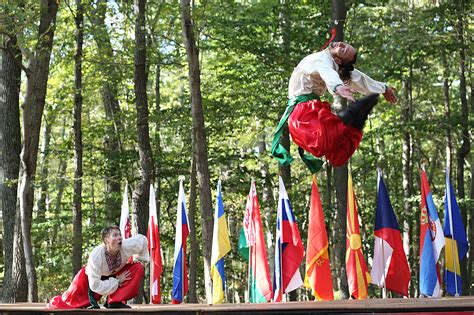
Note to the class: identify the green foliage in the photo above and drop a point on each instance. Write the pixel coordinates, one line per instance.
(245, 66)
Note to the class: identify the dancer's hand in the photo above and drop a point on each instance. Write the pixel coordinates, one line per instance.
(124, 276)
(345, 92)
(390, 95)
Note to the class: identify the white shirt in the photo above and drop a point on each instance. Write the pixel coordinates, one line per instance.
(318, 72)
(136, 246)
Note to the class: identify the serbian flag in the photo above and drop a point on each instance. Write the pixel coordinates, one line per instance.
(289, 250)
(124, 225)
(318, 270)
(220, 247)
(358, 277)
(252, 248)
(431, 242)
(153, 235)
(456, 241)
(390, 266)
(180, 275)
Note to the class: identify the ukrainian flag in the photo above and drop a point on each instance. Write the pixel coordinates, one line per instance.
(220, 247)
(456, 241)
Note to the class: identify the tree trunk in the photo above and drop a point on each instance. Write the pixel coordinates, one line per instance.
(61, 185)
(201, 142)
(33, 110)
(465, 147)
(10, 147)
(77, 198)
(447, 109)
(141, 193)
(339, 12)
(112, 143)
(41, 203)
(407, 181)
(194, 248)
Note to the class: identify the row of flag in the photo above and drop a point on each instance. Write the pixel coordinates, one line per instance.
(390, 268)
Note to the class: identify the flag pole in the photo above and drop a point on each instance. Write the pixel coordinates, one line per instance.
(450, 213)
(151, 272)
(384, 288)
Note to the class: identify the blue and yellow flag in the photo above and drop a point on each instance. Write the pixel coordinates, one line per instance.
(220, 247)
(456, 241)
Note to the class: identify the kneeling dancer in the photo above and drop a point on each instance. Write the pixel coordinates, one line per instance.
(312, 125)
(108, 272)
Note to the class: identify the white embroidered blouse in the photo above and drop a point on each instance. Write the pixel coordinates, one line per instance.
(136, 246)
(318, 72)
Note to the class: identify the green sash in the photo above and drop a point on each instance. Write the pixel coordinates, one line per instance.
(279, 152)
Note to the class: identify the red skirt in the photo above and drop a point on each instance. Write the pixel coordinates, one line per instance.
(317, 130)
(77, 294)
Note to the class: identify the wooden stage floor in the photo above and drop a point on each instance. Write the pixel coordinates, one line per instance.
(444, 306)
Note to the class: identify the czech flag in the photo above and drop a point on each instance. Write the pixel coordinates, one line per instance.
(180, 275)
(156, 266)
(289, 250)
(456, 241)
(125, 228)
(390, 266)
(220, 247)
(431, 242)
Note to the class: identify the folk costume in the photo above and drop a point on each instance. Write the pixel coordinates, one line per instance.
(312, 125)
(98, 277)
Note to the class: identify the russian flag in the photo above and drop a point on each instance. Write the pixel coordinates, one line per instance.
(390, 266)
(431, 242)
(180, 275)
(156, 265)
(124, 225)
(289, 250)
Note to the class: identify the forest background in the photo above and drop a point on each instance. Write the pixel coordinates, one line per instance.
(94, 94)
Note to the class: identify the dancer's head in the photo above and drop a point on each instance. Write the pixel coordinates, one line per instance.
(345, 56)
(112, 238)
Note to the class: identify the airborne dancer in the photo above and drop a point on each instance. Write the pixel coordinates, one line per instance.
(312, 125)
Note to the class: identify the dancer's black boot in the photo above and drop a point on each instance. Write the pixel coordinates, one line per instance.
(357, 113)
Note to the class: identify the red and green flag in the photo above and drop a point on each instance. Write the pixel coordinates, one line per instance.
(252, 248)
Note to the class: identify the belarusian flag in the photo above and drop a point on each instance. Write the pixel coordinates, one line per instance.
(252, 248)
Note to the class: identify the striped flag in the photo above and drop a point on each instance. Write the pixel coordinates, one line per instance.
(252, 248)
(431, 242)
(156, 266)
(358, 277)
(125, 228)
(220, 247)
(456, 241)
(390, 266)
(180, 275)
(318, 270)
(289, 250)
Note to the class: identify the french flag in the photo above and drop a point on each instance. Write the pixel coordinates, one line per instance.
(180, 275)
(390, 266)
(431, 242)
(289, 250)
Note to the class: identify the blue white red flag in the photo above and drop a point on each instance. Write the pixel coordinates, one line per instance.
(390, 266)
(456, 241)
(180, 275)
(431, 242)
(289, 250)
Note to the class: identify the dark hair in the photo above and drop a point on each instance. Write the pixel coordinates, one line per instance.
(107, 230)
(346, 69)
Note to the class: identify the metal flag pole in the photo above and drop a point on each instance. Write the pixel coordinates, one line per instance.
(384, 288)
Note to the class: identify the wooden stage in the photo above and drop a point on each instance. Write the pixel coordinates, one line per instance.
(444, 306)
